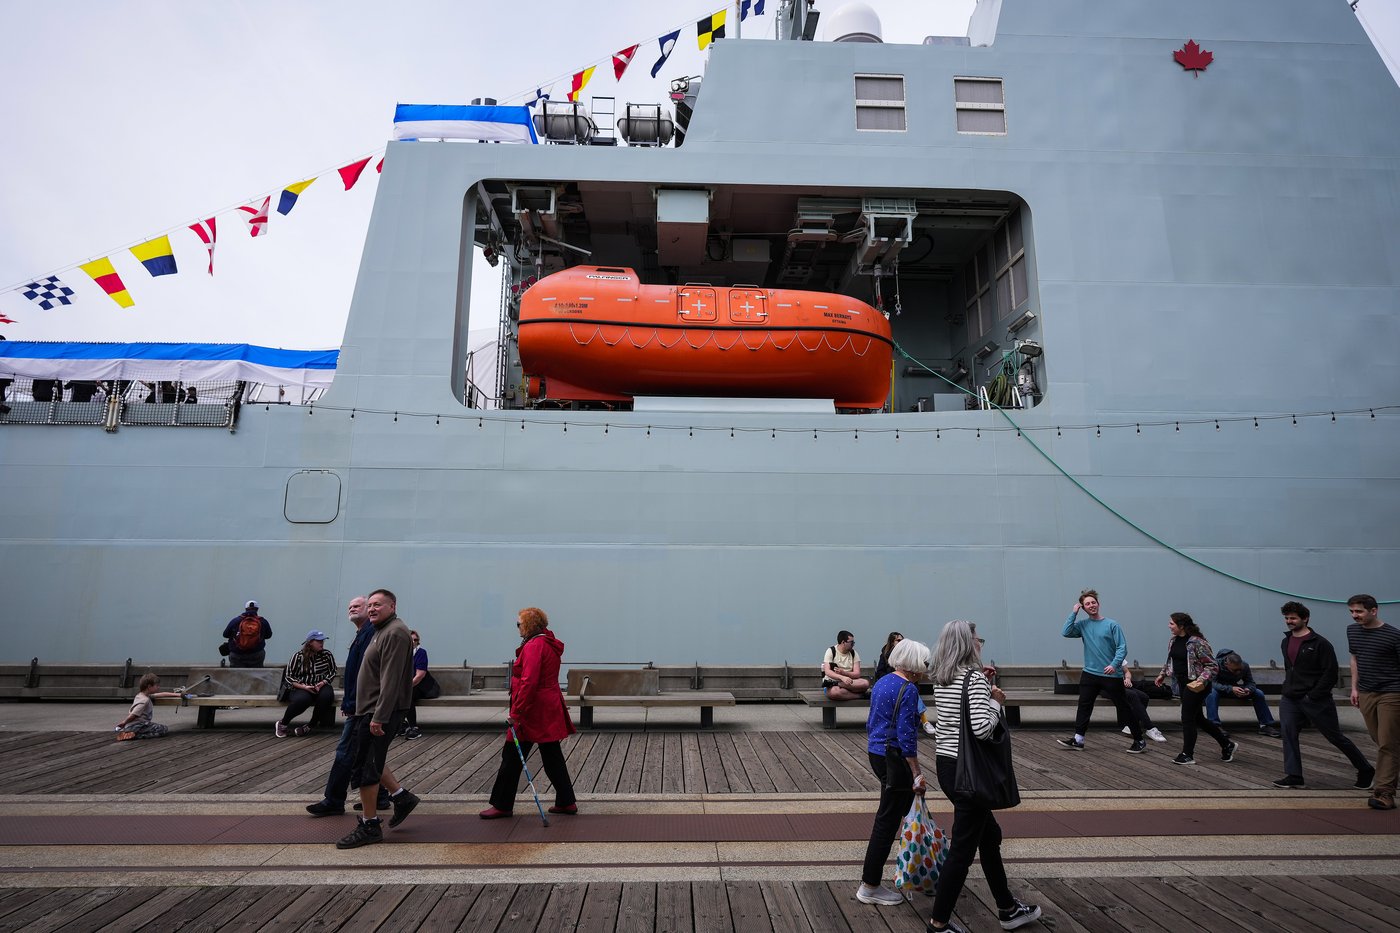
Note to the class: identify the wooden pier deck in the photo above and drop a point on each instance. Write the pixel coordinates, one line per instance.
(731, 829)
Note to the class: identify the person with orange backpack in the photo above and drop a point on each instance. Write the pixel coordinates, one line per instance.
(247, 636)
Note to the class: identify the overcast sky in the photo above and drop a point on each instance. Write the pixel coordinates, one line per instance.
(130, 117)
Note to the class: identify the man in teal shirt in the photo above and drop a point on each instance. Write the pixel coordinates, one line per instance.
(1105, 649)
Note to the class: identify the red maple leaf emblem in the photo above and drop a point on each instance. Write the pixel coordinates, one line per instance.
(1193, 58)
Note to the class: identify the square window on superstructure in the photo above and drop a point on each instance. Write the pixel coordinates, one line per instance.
(981, 106)
(880, 103)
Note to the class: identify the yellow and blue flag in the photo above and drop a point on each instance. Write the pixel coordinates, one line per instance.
(289, 196)
(157, 256)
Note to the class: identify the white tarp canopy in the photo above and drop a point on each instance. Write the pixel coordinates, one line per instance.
(177, 362)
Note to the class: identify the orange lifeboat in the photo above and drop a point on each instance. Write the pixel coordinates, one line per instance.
(597, 333)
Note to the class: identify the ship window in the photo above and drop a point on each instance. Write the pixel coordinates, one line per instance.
(1010, 250)
(977, 295)
(981, 106)
(880, 103)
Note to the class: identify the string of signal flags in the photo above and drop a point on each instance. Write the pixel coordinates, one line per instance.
(157, 257)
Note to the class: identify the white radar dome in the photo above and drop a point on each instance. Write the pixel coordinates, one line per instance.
(854, 22)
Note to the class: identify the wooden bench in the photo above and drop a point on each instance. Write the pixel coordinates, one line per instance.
(588, 688)
(1015, 699)
(256, 688)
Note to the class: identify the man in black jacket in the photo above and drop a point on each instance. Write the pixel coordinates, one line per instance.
(1310, 673)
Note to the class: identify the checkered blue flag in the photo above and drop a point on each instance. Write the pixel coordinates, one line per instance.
(48, 292)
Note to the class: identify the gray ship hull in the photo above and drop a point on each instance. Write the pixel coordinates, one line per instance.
(1220, 246)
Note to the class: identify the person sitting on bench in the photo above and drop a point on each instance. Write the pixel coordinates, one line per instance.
(841, 670)
(1237, 680)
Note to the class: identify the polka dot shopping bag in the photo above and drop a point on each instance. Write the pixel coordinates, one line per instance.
(920, 849)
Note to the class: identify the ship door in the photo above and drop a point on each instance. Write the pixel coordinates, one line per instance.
(748, 306)
(696, 303)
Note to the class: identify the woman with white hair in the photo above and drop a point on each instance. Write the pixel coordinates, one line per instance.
(893, 743)
(957, 658)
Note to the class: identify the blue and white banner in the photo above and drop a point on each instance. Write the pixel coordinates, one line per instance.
(452, 121)
(182, 362)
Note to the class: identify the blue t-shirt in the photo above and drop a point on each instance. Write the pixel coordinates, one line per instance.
(420, 659)
(1104, 643)
(906, 728)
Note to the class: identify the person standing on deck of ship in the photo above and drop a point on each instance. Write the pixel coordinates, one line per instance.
(247, 636)
(1375, 690)
(382, 694)
(1105, 649)
(338, 781)
(841, 670)
(1309, 674)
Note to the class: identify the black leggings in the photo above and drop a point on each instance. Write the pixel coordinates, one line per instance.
(975, 833)
(302, 700)
(1193, 716)
(894, 804)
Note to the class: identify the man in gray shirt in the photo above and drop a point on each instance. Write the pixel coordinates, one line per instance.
(383, 692)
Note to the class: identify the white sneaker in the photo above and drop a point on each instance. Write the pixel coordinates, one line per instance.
(1127, 730)
(882, 896)
(1156, 735)
(928, 727)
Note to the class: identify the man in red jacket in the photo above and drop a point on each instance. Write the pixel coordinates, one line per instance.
(538, 716)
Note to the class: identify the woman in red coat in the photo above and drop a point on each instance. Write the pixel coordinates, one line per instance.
(538, 715)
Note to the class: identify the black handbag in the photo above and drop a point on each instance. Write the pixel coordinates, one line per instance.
(284, 692)
(985, 775)
(428, 687)
(898, 774)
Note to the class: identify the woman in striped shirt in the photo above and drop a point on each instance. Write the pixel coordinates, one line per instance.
(957, 658)
(309, 673)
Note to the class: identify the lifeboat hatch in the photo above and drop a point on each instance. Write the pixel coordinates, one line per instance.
(747, 306)
(696, 303)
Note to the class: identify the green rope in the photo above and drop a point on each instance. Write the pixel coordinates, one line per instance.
(1119, 515)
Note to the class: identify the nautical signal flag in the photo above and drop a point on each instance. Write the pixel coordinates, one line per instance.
(157, 256)
(668, 45)
(542, 94)
(580, 82)
(744, 9)
(351, 173)
(257, 217)
(289, 196)
(710, 28)
(107, 279)
(622, 59)
(48, 292)
(208, 234)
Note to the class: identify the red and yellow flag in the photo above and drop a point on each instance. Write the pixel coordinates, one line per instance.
(107, 279)
(580, 82)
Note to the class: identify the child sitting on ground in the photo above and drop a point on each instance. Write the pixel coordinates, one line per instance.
(140, 722)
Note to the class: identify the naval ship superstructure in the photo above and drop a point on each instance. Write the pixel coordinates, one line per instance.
(1143, 313)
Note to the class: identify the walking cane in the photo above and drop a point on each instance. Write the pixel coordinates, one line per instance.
(528, 780)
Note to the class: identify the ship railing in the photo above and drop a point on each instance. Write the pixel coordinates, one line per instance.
(116, 403)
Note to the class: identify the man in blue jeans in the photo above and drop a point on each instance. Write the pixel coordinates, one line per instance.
(1236, 681)
(338, 782)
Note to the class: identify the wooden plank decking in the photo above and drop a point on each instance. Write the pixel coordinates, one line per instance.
(681, 762)
(1330, 869)
(1159, 905)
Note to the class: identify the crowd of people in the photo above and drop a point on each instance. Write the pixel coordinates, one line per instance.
(966, 696)
(386, 671)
